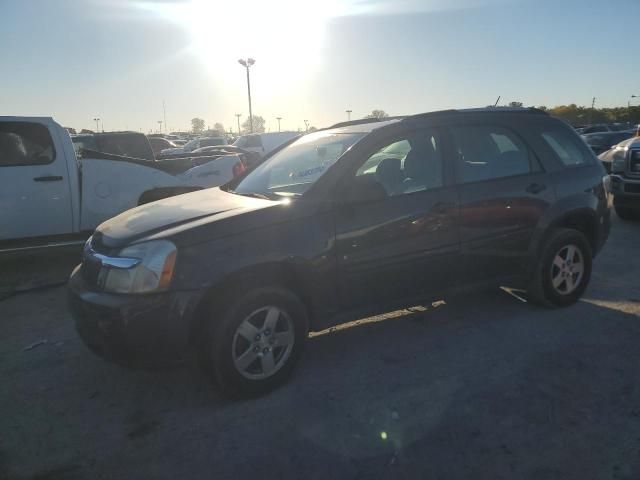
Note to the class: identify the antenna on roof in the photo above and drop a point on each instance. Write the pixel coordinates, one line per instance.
(496, 104)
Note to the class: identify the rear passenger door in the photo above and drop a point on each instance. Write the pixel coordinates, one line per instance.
(503, 193)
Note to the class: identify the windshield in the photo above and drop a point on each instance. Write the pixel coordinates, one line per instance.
(190, 145)
(294, 169)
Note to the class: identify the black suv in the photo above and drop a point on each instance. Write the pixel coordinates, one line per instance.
(359, 218)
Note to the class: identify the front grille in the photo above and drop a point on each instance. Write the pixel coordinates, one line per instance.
(634, 162)
(90, 271)
(632, 187)
(91, 266)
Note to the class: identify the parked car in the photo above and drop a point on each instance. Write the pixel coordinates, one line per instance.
(248, 157)
(158, 144)
(603, 141)
(126, 144)
(264, 143)
(604, 127)
(623, 161)
(51, 195)
(194, 144)
(314, 236)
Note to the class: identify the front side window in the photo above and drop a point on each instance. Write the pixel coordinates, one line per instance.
(487, 152)
(566, 147)
(406, 165)
(293, 170)
(24, 143)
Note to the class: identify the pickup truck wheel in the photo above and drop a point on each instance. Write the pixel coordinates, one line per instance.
(626, 213)
(563, 270)
(254, 345)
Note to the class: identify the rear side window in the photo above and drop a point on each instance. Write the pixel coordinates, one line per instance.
(250, 141)
(566, 147)
(134, 146)
(24, 143)
(211, 142)
(487, 152)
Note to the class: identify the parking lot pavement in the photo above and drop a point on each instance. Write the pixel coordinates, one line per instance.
(482, 387)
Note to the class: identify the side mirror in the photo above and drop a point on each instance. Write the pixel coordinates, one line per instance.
(364, 188)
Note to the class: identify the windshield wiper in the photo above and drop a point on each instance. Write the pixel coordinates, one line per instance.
(253, 194)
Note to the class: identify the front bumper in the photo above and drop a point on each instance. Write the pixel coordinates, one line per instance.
(626, 191)
(133, 330)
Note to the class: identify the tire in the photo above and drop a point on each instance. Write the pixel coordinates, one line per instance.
(276, 320)
(566, 257)
(626, 213)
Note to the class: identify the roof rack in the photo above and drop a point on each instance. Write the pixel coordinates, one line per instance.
(362, 121)
(529, 110)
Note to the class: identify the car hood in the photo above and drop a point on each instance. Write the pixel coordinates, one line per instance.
(174, 215)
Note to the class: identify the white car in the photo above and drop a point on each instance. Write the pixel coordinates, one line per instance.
(264, 143)
(51, 196)
(194, 144)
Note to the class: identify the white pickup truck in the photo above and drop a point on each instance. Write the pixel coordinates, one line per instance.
(50, 196)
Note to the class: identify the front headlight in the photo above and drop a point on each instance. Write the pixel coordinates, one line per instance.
(152, 272)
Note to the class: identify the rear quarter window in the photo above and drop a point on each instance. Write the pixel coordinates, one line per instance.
(567, 147)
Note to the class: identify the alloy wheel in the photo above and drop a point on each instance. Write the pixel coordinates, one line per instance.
(263, 342)
(567, 270)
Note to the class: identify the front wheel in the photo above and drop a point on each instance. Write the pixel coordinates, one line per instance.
(253, 346)
(563, 270)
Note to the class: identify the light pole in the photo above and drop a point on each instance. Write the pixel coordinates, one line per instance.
(164, 115)
(246, 64)
(593, 105)
(160, 123)
(278, 118)
(238, 115)
(97, 125)
(348, 115)
(629, 106)
(306, 125)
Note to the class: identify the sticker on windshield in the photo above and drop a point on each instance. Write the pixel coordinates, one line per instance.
(307, 172)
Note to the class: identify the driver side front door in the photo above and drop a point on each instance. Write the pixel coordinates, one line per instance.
(404, 242)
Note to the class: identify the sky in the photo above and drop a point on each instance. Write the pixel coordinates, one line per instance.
(119, 60)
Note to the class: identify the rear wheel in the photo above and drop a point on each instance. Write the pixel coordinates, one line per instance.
(254, 345)
(564, 269)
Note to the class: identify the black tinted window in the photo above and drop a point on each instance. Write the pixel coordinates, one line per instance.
(567, 146)
(135, 146)
(250, 141)
(406, 165)
(486, 152)
(23, 143)
(211, 142)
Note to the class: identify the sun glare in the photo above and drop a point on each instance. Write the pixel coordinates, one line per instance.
(284, 36)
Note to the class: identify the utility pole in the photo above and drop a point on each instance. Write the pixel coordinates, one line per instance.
(278, 118)
(97, 120)
(238, 115)
(348, 115)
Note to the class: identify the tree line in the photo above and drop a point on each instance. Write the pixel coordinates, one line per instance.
(572, 113)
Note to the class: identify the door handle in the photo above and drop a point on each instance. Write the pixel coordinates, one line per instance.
(536, 188)
(442, 207)
(48, 178)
